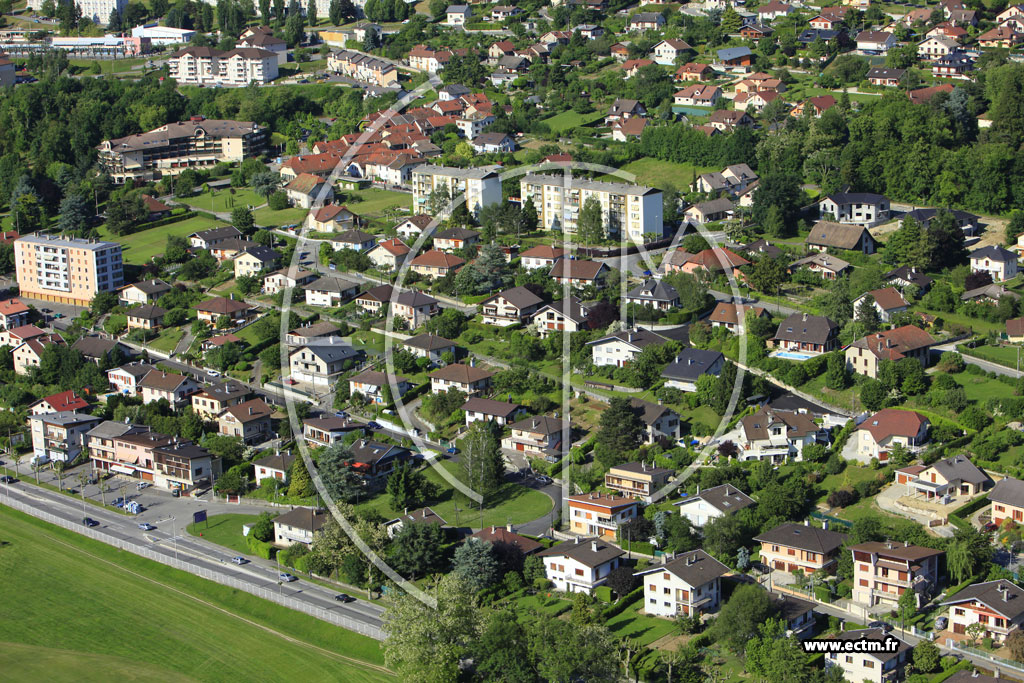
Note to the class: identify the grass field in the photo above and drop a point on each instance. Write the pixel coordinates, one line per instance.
(657, 173)
(267, 217)
(168, 339)
(122, 615)
(513, 503)
(1001, 355)
(223, 201)
(980, 388)
(567, 120)
(225, 530)
(140, 247)
(644, 629)
(374, 201)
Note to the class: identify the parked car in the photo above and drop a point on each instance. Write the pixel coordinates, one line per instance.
(883, 625)
(7, 479)
(287, 578)
(374, 425)
(344, 597)
(340, 413)
(118, 502)
(89, 521)
(542, 479)
(941, 623)
(143, 485)
(175, 493)
(213, 373)
(991, 526)
(239, 560)
(146, 526)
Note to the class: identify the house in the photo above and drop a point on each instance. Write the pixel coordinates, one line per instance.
(698, 95)
(207, 239)
(145, 292)
(668, 52)
(888, 427)
(856, 208)
(688, 367)
(825, 235)
(299, 525)
(416, 308)
(997, 605)
(710, 211)
(254, 260)
(219, 341)
(353, 239)
(60, 437)
(654, 293)
(468, 379)
(619, 52)
(885, 77)
(540, 256)
(988, 294)
(458, 15)
(1001, 36)
(725, 120)
(330, 292)
(887, 301)
(774, 10)
(808, 334)
(883, 571)
(936, 46)
(954, 65)
(875, 42)
(309, 332)
(661, 424)
(623, 109)
(321, 432)
(693, 71)
(567, 315)
(908, 276)
(714, 261)
(145, 317)
(727, 315)
(65, 401)
(216, 398)
(430, 346)
(922, 95)
(908, 341)
(580, 565)
(29, 354)
(212, 310)
(320, 364)
(815, 106)
(413, 227)
(790, 546)
(1007, 501)
(688, 585)
(487, 410)
(226, 250)
(173, 388)
(756, 31)
(539, 436)
(374, 461)
(100, 351)
(249, 421)
(827, 22)
(735, 57)
(376, 298)
(306, 189)
(867, 666)
(127, 378)
(619, 348)
(506, 542)
(371, 383)
(645, 21)
(286, 278)
(13, 313)
(455, 238)
(755, 101)
(949, 478)
(434, 263)
(776, 435)
(637, 479)
(827, 266)
(597, 514)
(331, 218)
(274, 466)
(421, 516)
(629, 129)
(493, 143)
(511, 307)
(578, 273)
(968, 222)
(712, 503)
(1000, 263)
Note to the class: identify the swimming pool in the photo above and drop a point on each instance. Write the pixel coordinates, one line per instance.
(792, 355)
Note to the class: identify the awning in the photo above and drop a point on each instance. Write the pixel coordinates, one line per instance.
(121, 469)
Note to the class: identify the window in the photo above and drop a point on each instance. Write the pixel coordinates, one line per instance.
(579, 572)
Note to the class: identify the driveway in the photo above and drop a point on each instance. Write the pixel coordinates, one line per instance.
(886, 500)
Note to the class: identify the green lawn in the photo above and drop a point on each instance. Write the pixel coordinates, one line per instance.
(567, 120)
(223, 201)
(1002, 355)
(513, 503)
(849, 477)
(659, 173)
(373, 201)
(140, 247)
(980, 388)
(225, 530)
(267, 217)
(631, 624)
(117, 614)
(168, 339)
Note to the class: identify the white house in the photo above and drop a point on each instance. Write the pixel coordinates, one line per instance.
(620, 348)
(580, 565)
(880, 432)
(871, 667)
(688, 585)
(1000, 263)
(712, 503)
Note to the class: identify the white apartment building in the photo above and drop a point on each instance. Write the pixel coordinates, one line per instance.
(474, 124)
(631, 210)
(68, 270)
(238, 67)
(96, 10)
(481, 186)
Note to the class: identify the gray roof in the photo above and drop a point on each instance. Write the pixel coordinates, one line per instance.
(590, 552)
(94, 347)
(520, 297)
(108, 429)
(227, 390)
(478, 173)
(583, 183)
(810, 538)
(873, 634)
(136, 370)
(456, 233)
(728, 53)
(353, 237)
(415, 298)
(806, 328)
(329, 352)
(228, 231)
(839, 235)
(654, 290)
(696, 568)
(150, 286)
(64, 242)
(649, 413)
(146, 312)
(822, 260)
(960, 468)
(277, 461)
(491, 407)
(65, 418)
(691, 364)
(264, 254)
(308, 519)
(639, 338)
(1008, 491)
(994, 254)
(910, 275)
(725, 498)
(331, 284)
(428, 342)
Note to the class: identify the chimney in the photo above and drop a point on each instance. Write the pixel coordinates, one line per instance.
(593, 546)
(691, 559)
(509, 528)
(494, 529)
(824, 524)
(807, 522)
(906, 544)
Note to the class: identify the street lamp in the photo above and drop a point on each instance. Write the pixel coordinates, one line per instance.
(174, 537)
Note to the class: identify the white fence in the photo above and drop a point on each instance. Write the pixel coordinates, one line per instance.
(211, 574)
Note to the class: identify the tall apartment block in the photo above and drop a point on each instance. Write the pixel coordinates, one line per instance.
(482, 186)
(66, 270)
(630, 210)
(170, 149)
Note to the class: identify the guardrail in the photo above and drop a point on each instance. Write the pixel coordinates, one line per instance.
(976, 652)
(203, 572)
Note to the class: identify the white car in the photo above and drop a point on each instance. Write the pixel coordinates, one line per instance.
(213, 373)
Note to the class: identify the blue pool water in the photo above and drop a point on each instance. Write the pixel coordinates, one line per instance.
(792, 355)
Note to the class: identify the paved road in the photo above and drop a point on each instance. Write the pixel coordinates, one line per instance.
(985, 365)
(169, 539)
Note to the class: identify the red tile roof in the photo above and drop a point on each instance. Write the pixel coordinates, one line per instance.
(892, 422)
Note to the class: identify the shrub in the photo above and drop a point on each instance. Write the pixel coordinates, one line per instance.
(261, 548)
(603, 593)
(278, 201)
(841, 498)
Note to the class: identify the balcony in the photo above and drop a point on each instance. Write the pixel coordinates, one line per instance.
(609, 524)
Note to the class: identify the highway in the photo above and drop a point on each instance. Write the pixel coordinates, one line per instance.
(258, 573)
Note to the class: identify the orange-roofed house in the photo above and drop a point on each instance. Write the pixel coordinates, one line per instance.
(332, 218)
(712, 262)
(389, 254)
(64, 401)
(727, 315)
(816, 105)
(887, 301)
(540, 256)
(436, 263)
(865, 355)
(693, 71)
(879, 433)
(595, 514)
(13, 313)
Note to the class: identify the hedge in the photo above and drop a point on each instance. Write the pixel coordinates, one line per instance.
(164, 221)
(261, 548)
(624, 602)
(603, 593)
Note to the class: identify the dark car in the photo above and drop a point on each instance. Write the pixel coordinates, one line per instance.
(883, 625)
(374, 425)
(344, 597)
(7, 479)
(89, 521)
(991, 526)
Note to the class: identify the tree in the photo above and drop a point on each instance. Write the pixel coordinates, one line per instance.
(450, 324)
(265, 183)
(501, 653)
(927, 657)
(338, 478)
(102, 303)
(424, 644)
(311, 17)
(724, 536)
(300, 484)
(967, 553)
(294, 25)
(774, 657)
(620, 428)
(263, 528)
(739, 619)
(1014, 645)
(241, 218)
(767, 275)
(124, 213)
(621, 581)
(476, 564)
(405, 487)
(837, 377)
(867, 314)
(418, 549)
(567, 651)
(906, 606)
(590, 224)
(74, 214)
(481, 458)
